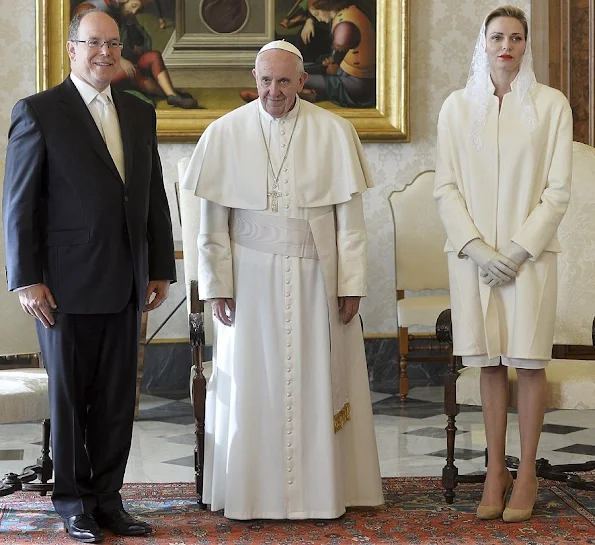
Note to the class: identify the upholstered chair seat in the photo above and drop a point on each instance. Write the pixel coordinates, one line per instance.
(23, 395)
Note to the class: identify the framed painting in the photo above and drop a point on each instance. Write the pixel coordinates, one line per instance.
(192, 59)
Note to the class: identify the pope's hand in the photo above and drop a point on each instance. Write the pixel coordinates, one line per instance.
(219, 310)
(348, 307)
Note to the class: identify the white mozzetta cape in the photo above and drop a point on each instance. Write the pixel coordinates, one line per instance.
(517, 187)
(229, 164)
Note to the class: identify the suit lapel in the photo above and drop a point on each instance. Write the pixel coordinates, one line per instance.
(126, 120)
(77, 111)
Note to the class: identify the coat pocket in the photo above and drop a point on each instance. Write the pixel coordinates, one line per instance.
(71, 237)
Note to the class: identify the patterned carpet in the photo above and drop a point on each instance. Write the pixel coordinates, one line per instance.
(414, 513)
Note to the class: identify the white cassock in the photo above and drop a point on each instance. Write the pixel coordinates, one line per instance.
(278, 391)
(517, 187)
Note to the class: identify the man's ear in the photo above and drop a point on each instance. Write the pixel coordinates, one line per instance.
(302, 81)
(71, 50)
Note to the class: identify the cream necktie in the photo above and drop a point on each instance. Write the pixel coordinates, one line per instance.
(111, 131)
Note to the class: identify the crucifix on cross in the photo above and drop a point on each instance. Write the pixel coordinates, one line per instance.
(275, 195)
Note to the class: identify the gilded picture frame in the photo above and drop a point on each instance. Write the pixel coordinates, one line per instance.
(387, 122)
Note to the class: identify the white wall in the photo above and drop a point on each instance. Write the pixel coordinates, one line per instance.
(443, 34)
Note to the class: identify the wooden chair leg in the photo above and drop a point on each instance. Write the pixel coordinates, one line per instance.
(140, 367)
(403, 351)
(199, 391)
(199, 387)
(450, 472)
(44, 461)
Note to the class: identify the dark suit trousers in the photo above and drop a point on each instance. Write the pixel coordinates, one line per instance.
(91, 360)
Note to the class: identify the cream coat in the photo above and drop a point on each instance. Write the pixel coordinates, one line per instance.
(517, 187)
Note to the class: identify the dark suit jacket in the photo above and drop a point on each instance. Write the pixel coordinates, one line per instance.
(69, 220)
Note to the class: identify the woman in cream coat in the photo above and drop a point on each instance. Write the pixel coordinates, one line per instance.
(502, 186)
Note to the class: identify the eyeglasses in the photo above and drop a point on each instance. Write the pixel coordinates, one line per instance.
(98, 44)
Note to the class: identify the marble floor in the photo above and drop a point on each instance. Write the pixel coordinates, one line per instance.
(410, 438)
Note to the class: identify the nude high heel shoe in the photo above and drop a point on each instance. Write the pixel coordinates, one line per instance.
(491, 512)
(519, 515)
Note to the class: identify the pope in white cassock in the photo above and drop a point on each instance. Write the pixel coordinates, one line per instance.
(282, 258)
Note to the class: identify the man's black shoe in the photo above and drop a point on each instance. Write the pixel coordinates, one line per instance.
(83, 528)
(121, 523)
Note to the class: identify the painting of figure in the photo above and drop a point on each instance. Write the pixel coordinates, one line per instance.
(143, 71)
(338, 41)
(193, 59)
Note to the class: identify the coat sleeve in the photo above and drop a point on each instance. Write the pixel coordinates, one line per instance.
(215, 266)
(351, 248)
(542, 224)
(22, 193)
(161, 246)
(457, 221)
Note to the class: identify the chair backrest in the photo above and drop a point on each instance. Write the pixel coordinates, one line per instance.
(190, 219)
(576, 263)
(17, 329)
(420, 261)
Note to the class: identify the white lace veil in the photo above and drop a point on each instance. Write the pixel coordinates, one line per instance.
(478, 88)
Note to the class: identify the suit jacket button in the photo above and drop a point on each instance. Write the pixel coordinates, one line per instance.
(125, 199)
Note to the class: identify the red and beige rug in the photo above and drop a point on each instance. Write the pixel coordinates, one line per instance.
(414, 513)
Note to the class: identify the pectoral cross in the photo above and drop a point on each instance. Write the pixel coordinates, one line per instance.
(275, 195)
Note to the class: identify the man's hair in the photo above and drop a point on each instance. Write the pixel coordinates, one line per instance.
(75, 23)
(509, 11)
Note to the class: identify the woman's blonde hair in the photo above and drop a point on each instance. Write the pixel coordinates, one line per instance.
(509, 11)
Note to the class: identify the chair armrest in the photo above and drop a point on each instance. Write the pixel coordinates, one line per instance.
(444, 327)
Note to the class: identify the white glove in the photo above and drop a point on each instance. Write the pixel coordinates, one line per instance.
(490, 261)
(515, 252)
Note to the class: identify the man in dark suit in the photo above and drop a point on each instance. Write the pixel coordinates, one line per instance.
(88, 247)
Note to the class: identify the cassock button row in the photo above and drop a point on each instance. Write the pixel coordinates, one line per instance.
(288, 269)
(288, 432)
(285, 169)
(289, 383)
(286, 181)
(283, 145)
(288, 357)
(286, 207)
(282, 132)
(288, 331)
(286, 257)
(289, 371)
(288, 407)
(287, 281)
(287, 194)
(290, 469)
(288, 394)
(287, 307)
(289, 444)
(288, 345)
(290, 458)
(289, 482)
(289, 419)
(287, 319)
